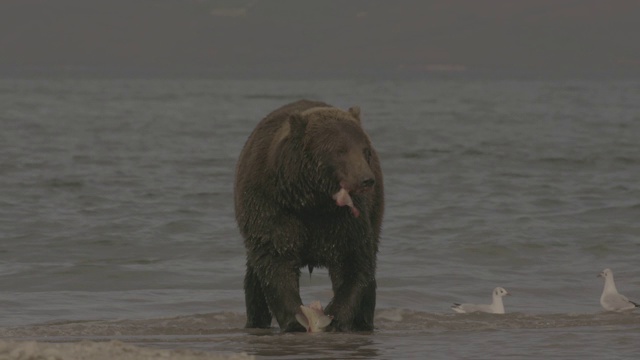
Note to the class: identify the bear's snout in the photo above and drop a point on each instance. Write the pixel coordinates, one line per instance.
(358, 184)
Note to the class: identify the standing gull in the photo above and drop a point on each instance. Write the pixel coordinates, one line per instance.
(496, 307)
(611, 300)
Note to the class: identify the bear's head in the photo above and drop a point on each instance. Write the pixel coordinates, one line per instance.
(340, 152)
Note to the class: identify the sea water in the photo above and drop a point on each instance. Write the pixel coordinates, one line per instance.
(117, 223)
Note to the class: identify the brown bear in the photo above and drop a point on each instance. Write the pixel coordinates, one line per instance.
(309, 193)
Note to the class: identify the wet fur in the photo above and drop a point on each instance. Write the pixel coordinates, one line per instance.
(292, 163)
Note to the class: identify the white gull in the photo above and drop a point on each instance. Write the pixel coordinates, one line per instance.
(496, 307)
(611, 299)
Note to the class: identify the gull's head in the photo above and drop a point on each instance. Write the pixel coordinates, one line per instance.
(606, 273)
(500, 292)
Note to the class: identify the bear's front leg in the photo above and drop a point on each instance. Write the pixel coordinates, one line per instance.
(354, 301)
(281, 286)
(273, 272)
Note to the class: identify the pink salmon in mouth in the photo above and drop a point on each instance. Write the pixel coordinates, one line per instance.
(343, 198)
(313, 318)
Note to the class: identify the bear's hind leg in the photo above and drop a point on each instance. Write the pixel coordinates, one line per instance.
(258, 314)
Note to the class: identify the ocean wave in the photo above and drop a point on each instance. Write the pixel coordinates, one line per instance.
(397, 319)
(199, 324)
(104, 350)
(565, 160)
(221, 335)
(387, 319)
(590, 159)
(282, 97)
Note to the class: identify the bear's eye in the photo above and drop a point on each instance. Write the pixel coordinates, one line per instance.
(367, 154)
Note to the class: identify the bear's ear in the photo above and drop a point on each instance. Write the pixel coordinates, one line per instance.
(292, 129)
(297, 124)
(355, 112)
